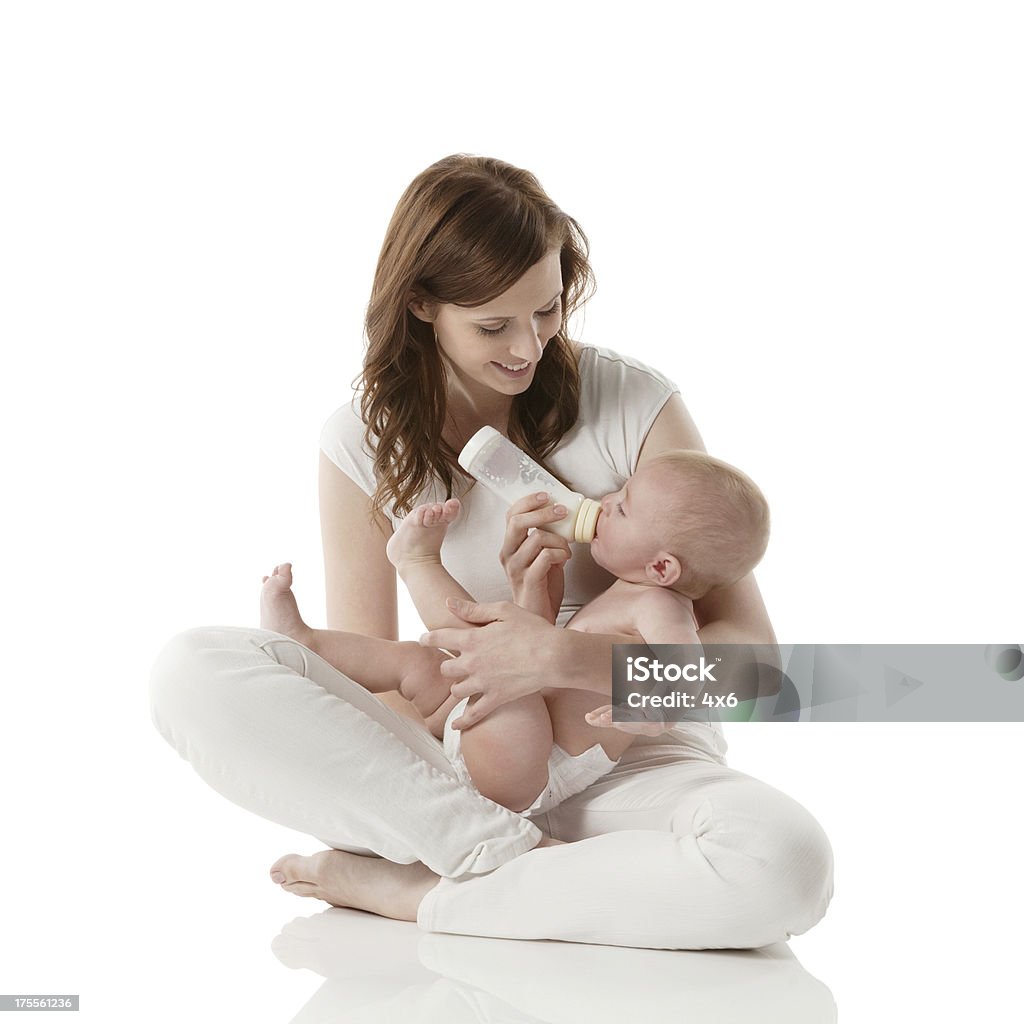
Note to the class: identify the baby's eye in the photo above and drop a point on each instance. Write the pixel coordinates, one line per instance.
(618, 505)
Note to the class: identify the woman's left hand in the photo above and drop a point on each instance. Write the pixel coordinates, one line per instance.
(534, 558)
(498, 655)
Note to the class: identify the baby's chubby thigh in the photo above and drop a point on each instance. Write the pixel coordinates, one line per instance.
(507, 752)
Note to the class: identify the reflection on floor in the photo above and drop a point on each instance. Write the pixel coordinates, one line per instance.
(383, 971)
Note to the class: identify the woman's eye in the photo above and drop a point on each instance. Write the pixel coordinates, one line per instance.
(493, 331)
(496, 330)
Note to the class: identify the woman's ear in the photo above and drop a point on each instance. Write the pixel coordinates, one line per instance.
(664, 569)
(422, 308)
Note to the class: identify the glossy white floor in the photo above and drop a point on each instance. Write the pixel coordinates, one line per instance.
(157, 906)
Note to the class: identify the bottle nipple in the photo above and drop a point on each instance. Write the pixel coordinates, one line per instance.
(586, 520)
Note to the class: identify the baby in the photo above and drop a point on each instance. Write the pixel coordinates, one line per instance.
(682, 525)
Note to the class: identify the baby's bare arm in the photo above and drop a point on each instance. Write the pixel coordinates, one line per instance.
(664, 617)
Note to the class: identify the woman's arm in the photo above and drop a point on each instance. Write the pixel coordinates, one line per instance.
(362, 594)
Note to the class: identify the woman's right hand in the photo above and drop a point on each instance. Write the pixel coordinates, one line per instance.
(533, 562)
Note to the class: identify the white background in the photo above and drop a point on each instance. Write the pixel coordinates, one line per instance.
(809, 215)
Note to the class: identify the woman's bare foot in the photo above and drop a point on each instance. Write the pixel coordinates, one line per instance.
(279, 611)
(349, 880)
(421, 533)
(365, 883)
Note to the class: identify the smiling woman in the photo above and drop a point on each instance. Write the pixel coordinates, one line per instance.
(466, 326)
(477, 278)
(486, 350)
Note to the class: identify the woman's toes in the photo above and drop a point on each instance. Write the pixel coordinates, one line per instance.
(302, 888)
(292, 868)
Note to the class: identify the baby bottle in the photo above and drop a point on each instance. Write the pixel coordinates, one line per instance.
(511, 474)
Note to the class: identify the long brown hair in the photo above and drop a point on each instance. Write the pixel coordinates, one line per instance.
(464, 232)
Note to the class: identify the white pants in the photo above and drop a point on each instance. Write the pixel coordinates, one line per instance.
(671, 849)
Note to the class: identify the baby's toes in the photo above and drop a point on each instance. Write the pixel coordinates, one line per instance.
(425, 516)
(450, 511)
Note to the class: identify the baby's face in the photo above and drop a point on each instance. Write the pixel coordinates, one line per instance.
(628, 530)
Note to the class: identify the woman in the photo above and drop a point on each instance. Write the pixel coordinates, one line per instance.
(477, 277)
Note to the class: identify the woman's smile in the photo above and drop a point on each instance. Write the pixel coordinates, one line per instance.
(513, 370)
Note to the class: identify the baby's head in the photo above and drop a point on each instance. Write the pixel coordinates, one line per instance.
(684, 520)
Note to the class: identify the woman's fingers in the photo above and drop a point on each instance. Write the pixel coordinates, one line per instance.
(544, 563)
(539, 543)
(525, 515)
(474, 713)
(453, 669)
(464, 689)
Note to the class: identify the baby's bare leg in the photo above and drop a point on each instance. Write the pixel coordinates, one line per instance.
(377, 664)
(507, 753)
(415, 551)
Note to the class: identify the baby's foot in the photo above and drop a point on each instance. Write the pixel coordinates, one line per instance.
(279, 611)
(421, 533)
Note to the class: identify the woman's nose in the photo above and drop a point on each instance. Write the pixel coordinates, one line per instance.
(527, 345)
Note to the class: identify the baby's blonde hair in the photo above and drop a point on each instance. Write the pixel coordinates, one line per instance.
(716, 520)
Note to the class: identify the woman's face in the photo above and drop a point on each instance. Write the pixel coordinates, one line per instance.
(496, 347)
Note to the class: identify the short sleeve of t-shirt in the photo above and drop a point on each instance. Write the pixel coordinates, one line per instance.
(341, 440)
(620, 399)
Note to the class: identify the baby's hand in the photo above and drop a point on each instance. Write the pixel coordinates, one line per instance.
(602, 719)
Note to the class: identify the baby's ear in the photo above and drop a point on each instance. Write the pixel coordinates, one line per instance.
(664, 569)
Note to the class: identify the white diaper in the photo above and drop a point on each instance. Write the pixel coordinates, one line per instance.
(567, 775)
